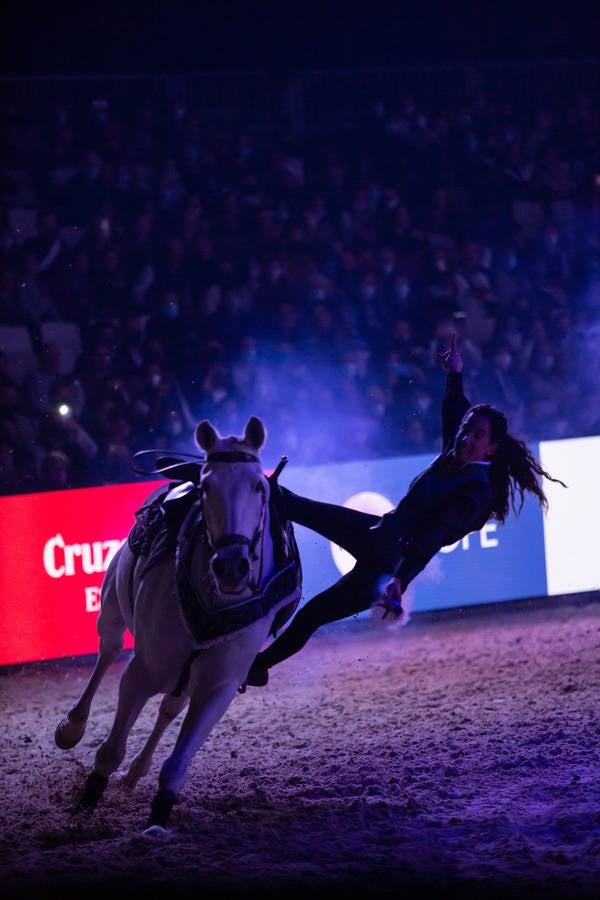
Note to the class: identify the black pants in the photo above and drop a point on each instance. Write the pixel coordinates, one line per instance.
(354, 592)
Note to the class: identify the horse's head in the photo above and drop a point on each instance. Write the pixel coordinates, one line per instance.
(235, 494)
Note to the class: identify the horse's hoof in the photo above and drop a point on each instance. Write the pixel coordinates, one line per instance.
(127, 782)
(69, 732)
(134, 774)
(94, 788)
(161, 807)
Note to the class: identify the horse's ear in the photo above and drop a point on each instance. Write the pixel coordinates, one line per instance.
(255, 433)
(206, 436)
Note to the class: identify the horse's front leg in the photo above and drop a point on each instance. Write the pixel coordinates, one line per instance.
(71, 729)
(111, 629)
(134, 690)
(216, 674)
(207, 706)
(170, 708)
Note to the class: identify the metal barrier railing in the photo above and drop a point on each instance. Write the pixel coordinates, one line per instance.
(309, 101)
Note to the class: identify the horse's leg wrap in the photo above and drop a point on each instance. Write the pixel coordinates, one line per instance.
(162, 805)
(94, 788)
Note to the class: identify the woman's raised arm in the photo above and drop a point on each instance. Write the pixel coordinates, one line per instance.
(454, 404)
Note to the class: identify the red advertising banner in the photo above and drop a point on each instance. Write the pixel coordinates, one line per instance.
(56, 547)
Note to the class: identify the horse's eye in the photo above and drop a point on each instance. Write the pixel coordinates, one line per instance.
(258, 487)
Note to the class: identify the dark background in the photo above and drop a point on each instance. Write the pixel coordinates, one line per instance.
(129, 37)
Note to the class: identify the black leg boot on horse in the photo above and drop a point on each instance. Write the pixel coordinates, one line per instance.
(94, 788)
(163, 803)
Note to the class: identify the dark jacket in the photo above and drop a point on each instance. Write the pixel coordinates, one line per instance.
(442, 505)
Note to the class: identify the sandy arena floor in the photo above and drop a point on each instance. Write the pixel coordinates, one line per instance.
(454, 757)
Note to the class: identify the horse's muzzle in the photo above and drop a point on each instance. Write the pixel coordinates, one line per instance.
(231, 568)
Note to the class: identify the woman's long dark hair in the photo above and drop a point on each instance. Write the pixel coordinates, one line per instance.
(513, 467)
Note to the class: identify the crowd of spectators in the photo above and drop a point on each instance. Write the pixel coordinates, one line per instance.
(312, 281)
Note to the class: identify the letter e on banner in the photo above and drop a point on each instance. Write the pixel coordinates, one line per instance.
(92, 599)
(487, 541)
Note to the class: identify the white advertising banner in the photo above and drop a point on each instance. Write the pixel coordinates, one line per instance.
(571, 530)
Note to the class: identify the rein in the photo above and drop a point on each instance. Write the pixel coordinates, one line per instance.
(181, 457)
(163, 454)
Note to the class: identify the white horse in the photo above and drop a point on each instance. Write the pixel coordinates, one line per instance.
(199, 617)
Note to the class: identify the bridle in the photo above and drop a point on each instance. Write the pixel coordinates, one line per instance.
(228, 540)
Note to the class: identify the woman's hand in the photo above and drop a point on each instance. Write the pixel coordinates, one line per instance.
(391, 600)
(451, 359)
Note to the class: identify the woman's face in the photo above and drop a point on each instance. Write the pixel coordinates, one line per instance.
(473, 441)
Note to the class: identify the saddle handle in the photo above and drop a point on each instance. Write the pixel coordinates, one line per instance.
(280, 467)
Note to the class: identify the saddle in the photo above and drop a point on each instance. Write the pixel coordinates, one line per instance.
(157, 524)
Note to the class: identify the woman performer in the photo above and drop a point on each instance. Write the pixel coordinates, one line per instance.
(475, 478)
